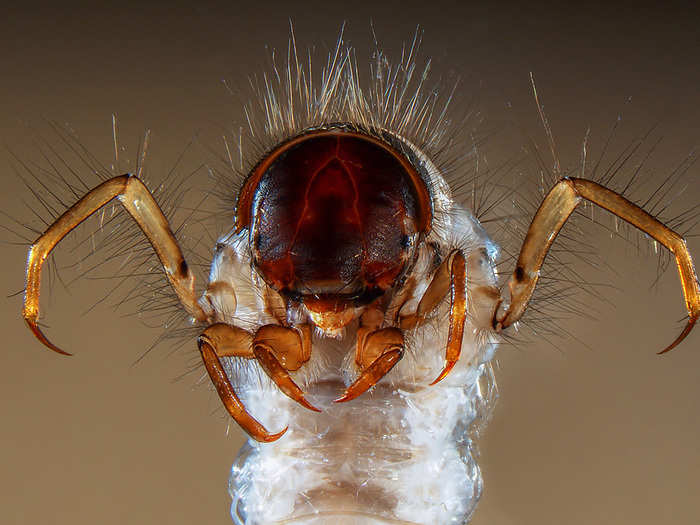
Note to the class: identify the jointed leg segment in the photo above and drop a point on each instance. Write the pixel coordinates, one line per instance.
(139, 202)
(377, 351)
(226, 337)
(450, 276)
(458, 312)
(278, 349)
(554, 211)
(387, 345)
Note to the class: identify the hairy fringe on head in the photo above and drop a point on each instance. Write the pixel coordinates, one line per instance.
(399, 99)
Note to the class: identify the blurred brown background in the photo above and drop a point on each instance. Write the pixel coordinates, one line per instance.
(605, 434)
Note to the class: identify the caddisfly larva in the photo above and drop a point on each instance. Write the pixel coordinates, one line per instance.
(351, 266)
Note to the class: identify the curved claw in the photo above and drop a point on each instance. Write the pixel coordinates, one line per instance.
(42, 338)
(228, 396)
(458, 313)
(683, 334)
(371, 375)
(280, 376)
(449, 365)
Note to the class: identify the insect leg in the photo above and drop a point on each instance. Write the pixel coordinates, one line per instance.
(139, 202)
(225, 340)
(370, 321)
(554, 211)
(376, 354)
(451, 275)
(458, 312)
(279, 349)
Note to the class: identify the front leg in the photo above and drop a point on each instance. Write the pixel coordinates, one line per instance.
(279, 350)
(451, 276)
(221, 340)
(377, 351)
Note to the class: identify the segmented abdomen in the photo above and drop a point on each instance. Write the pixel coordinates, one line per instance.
(390, 456)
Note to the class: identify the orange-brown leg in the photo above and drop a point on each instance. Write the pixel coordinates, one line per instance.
(139, 202)
(554, 211)
(224, 340)
(450, 276)
(280, 349)
(377, 352)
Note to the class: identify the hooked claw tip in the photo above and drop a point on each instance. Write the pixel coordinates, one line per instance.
(683, 334)
(269, 438)
(303, 402)
(280, 376)
(347, 396)
(448, 367)
(42, 338)
(371, 375)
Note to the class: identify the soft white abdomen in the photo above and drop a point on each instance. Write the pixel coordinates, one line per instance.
(391, 456)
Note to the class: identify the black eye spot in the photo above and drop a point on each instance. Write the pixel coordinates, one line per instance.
(405, 241)
(519, 273)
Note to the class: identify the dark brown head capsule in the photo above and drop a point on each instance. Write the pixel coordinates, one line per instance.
(332, 216)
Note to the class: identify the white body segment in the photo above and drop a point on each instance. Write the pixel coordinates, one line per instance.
(401, 453)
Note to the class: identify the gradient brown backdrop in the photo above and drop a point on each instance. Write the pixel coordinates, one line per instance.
(606, 434)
